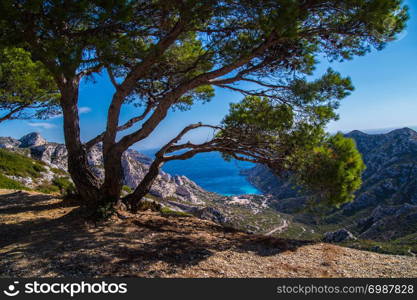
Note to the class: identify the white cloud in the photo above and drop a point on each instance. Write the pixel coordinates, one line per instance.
(56, 116)
(81, 110)
(84, 110)
(43, 125)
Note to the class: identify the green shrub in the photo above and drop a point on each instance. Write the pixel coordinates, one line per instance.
(165, 211)
(127, 189)
(18, 165)
(47, 188)
(152, 197)
(103, 212)
(61, 185)
(64, 185)
(58, 171)
(7, 183)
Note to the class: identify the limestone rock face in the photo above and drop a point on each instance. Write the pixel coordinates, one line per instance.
(212, 214)
(32, 140)
(338, 236)
(389, 222)
(51, 153)
(9, 143)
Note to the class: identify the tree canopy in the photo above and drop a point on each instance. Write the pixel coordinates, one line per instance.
(27, 89)
(165, 55)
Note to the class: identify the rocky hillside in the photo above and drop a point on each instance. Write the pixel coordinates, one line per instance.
(391, 168)
(385, 208)
(135, 166)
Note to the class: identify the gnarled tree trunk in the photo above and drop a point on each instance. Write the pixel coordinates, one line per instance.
(85, 181)
(144, 186)
(113, 181)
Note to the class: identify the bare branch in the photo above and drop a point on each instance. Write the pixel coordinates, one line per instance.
(126, 87)
(127, 125)
(242, 158)
(87, 72)
(240, 62)
(239, 75)
(170, 146)
(242, 91)
(233, 152)
(94, 141)
(263, 93)
(188, 154)
(13, 111)
(168, 100)
(271, 86)
(112, 77)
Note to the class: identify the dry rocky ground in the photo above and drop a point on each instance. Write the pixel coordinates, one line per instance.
(41, 235)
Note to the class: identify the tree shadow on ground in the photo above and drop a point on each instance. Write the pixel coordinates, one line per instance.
(12, 203)
(55, 240)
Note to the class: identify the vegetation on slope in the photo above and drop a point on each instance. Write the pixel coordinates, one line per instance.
(61, 185)
(19, 165)
(7, 183)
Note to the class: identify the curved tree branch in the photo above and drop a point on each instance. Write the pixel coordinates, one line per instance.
(10, 114)
(169, 99)
(126, 87)
(112, 77)
(127, 125)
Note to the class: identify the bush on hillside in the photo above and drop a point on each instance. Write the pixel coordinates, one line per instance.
(18, 165)
(7, 183)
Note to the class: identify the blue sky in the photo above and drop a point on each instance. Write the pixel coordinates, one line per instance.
(385, 96)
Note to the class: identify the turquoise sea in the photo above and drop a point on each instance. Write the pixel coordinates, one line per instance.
(213, 173)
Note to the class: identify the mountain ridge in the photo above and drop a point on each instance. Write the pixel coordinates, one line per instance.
(384, 209)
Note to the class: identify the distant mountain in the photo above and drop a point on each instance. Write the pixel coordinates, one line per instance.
(391, 168)
(385, 208)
